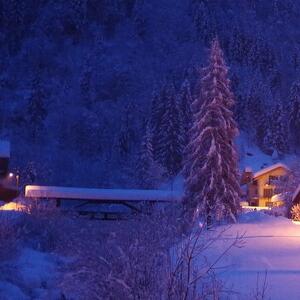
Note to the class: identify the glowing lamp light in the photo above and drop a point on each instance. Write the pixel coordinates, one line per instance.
(10, 175)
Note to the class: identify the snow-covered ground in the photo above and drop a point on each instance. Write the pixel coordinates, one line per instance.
(272, 244)
(31, 276)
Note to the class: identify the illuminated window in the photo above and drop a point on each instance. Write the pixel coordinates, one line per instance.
(268, 193)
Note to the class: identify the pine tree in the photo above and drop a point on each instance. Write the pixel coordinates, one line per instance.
(261, 55)
(294, 113)
(148, 172)
(204, 20)
(86, 134)
(277, 134)
(185, 106)
(255, 114)
(13, 15)
(170, 139)
(79, 10)
(251, 109)
(157, 111)
(86, 86)
(211, 173)
(127, 133)
(36, 109)
(239, 45)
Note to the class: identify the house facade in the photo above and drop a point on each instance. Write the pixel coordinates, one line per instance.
(261, 187)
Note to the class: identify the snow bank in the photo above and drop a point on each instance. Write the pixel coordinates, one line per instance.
(10, 291)
(34, 277)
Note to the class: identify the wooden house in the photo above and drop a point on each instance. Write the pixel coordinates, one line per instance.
(262, 186)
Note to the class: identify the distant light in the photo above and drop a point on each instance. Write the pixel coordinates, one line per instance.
(12, 206)
(11, 175)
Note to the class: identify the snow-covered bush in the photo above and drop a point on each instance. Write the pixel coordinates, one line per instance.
(9, 236)
(288, 186)
(142, 258)
(295, 211)
(277, 211)
(42, 226)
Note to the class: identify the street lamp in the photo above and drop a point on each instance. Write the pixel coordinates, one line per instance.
(17, 178)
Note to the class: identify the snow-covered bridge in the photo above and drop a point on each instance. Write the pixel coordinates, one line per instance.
(82, 197)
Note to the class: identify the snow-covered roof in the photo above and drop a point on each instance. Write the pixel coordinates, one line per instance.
(278, 197)
(4, 148)
(35, 191)
(269, 169)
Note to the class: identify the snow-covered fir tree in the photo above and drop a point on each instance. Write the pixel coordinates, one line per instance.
(277, 134)
(170, 138)
(261, 55)
(185, 106)
(148, 173)
(251, 109)
(157, 111)
(13, 15)
(203, 19)
(36, 109)
(294, 113)
(211, 173)
(86, 86)
(86, 135)
(238, 45)
(127, 133)
(79, 12)
(167, 128)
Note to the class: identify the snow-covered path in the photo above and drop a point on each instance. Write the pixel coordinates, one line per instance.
(271, 244)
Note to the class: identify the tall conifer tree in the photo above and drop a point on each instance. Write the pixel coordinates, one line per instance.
(185, 102)
(277, 133)
(170, 140)
(147, 172)
(294, 113)
(36, 109)
(211, 172)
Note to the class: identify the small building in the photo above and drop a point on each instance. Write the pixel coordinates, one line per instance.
(8, 188)
(262, 186)
(4, 157)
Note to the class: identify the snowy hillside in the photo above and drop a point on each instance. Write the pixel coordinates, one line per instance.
(77, 78)
(252, 156)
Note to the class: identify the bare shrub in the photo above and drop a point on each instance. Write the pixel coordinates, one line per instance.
(192, 275)
(9, 236)
(42, 226)
(261, 287)
(295, 212)
(143, 258)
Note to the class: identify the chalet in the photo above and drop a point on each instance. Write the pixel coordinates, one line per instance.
(261, 187)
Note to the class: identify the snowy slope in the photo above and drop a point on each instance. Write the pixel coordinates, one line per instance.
(271, 244)
(251, 156)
